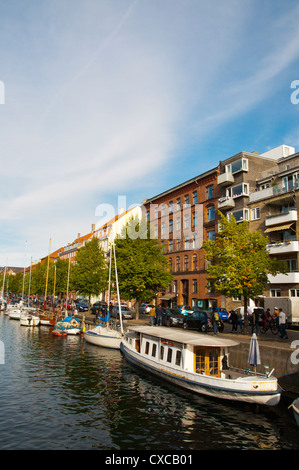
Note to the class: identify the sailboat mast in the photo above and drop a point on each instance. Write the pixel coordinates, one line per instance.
(67, 286)
(47, 277)
(118, 296)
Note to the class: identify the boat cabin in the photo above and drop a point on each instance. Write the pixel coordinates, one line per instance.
(188, 351)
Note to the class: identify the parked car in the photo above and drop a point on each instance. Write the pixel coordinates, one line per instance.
(184, 309)
(125, 311)
(82, 306)
(197, 320)
(145, 308)
(172, 317)
(97, 306)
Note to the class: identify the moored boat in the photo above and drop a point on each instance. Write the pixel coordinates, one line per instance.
(68, 325)
(197, 362)
(104, 336)
(295, 406)
(27, 319)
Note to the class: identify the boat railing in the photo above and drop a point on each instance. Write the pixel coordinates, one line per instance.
(234, 373)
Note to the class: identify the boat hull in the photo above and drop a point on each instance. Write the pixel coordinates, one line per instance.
(29, 320)
(295, 406)
(202, 384)
(103, 337)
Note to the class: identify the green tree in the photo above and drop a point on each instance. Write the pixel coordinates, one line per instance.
(238, 261)
(89, 275)
(142, 267)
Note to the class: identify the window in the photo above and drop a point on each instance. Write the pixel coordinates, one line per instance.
(240, 215)
(255, 213)
(169, 355)
(163, 228)
(238, 165)
(163, 209)
(161, 353)
(170, 246)
(178, 263)
(194, 219)
(170, 225)
(170, 207)
(211, 213)
(200, 361)
(194, 197)
(240, 190)
(186, 221)
(178, 204)
(210, 191)
(194, 260)
(175, 287)
(211, 235)
(146, 348)
(194, 286)
(178, 244)
(186, 263)
(186, 244)
(178, 224)
(275, 292)
(292, 265)
(178, 358)
(187, 200)
(154, 350)
(170, 264)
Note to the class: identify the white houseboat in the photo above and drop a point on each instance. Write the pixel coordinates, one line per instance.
(196, 362)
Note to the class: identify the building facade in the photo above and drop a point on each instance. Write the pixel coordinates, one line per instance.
(181, 218)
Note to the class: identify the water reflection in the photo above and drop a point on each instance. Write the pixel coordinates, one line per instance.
(62, 393)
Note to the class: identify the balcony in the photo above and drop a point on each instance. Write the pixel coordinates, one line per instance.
(281, 248)
(283, 218)
(290, 278)
(225, 179)
(226, 203)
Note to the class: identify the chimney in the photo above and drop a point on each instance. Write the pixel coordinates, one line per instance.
(93, 227)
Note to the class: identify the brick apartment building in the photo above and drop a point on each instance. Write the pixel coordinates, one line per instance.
(182, 217)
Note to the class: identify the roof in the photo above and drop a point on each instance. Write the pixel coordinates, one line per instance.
(186, 337)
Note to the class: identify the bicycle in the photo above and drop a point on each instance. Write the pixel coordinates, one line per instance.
(269, 325)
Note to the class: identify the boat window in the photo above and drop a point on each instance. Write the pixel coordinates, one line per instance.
(146, 348)
(214, 361)
(169, 355)
(178, 358)
(154, 349)
(161, 352)
(200, 361)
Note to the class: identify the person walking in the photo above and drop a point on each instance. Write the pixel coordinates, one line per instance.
(159, 314)
(152, 314)
(215, 318)
(255, 322)
(239, 321)
(234, 320)
(282, 321)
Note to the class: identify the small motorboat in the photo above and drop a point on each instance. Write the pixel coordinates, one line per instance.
(295, 406)
(68, 325)
(104, 336)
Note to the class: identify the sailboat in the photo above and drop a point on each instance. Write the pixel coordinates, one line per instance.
(105, 335)
(27, 318)
(47, 318)
(68, 325)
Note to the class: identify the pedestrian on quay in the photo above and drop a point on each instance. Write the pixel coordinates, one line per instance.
(215, 318)
(152, 314)
(234, 320)
(159, 314)
(282, 321)
(255, 322)
(240, 321)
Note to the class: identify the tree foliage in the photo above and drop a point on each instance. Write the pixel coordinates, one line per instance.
(142, 267)
(89, 275)
(238, 261)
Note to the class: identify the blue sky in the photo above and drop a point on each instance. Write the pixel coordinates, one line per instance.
(129, 98)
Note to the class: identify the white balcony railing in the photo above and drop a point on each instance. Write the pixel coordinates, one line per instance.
(283, 218)
(280, 248)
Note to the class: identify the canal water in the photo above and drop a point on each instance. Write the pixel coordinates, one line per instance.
(65, 394)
